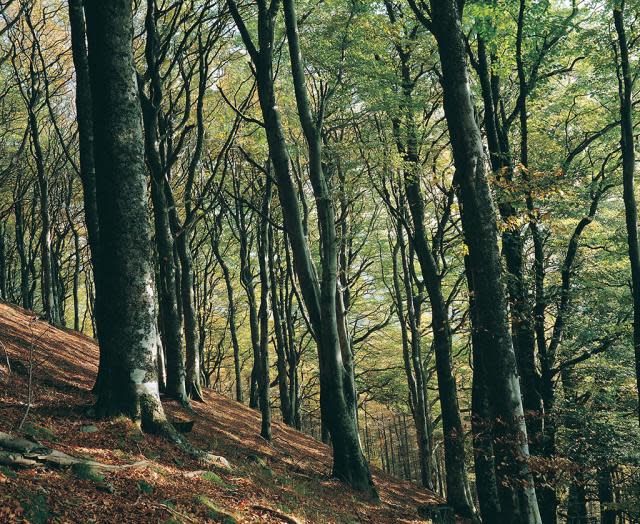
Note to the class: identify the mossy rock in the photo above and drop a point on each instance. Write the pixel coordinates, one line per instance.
(145, 487)
(215, 513)
(86, 472)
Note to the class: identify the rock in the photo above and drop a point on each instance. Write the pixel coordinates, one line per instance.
(217, 461)
(255, 459)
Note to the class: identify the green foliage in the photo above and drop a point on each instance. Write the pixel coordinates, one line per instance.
(145, 487)
(36, 508)
(214, 512)
(216, 480)
(8, 472)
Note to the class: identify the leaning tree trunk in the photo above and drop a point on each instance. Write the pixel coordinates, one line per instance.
(480, 232)
(349, 463)
(458, 492)
(336, 376)
(129, 337)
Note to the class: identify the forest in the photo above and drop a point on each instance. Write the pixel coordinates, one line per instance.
(405, 228)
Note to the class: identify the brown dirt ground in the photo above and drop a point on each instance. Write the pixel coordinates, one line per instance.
(295, 480)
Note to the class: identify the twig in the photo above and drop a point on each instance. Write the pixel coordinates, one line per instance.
(176, 513)
(276, 513)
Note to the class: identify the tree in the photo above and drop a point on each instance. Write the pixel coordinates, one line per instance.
(491, 327)
(129, 336)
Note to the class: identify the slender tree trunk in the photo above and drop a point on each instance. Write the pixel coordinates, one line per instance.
(48, 294)
(84, 118)
(194, 388)
(278, 328)
(171, 328)
(458, 492)
(419, 404)
(3, 261)
(231, 306)
(336, 366)
(247, 280)
(263, 314)
(349, 464)
(625, 90)
(22, 252)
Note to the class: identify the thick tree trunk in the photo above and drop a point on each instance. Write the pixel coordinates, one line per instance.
(479, 225)
(129, 338)
(605, 495)
(482, 425)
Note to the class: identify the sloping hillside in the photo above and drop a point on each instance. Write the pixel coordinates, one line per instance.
(286, 481)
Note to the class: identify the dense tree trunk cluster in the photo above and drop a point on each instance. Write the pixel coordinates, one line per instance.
(395, 227)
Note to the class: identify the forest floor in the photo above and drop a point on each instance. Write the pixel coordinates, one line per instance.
(285, 481)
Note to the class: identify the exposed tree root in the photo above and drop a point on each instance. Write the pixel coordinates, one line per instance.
(20, 452)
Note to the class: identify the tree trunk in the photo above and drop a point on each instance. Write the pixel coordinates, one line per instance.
(263, 314)
(605, 495)
(231, 305)
(349, 463)
(84, 119)
(194, 388)
(280, 335)
(480, 232)
(129, 338)
(625, 88)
